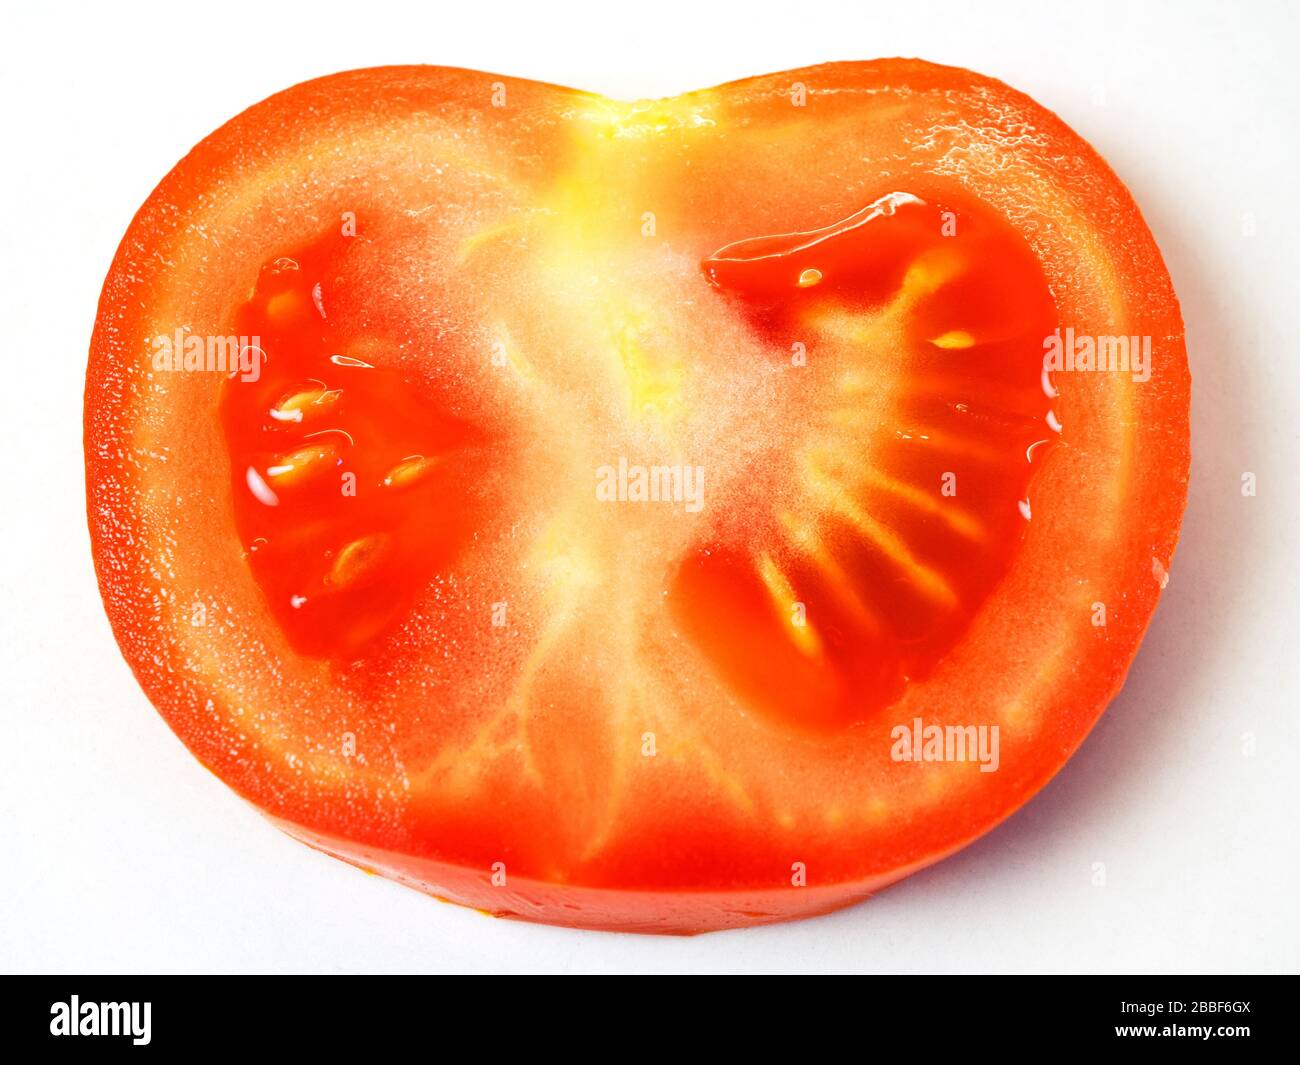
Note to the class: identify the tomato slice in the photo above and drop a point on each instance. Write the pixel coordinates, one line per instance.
(656, 516)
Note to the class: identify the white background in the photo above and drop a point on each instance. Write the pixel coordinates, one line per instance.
(119, 853)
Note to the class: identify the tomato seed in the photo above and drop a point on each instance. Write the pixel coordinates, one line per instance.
(306, 403)
(359, 562)
(302, 463)
(409, 471)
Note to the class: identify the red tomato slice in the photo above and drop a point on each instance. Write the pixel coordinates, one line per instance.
(653, 516)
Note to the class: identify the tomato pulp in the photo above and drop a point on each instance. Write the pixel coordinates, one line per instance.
(608, 492)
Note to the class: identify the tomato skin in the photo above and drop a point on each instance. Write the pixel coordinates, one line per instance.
(599, 909)
(677, 857)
